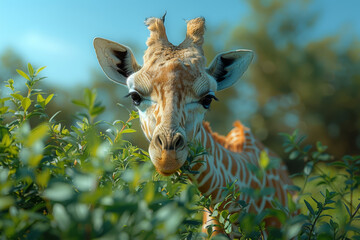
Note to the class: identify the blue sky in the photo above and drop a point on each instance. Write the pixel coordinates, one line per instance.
(59, 34)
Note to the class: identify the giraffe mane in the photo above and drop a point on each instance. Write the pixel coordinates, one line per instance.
(217, 137)
(234, 140)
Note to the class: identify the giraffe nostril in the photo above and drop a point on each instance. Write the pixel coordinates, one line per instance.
(158, 141)
(171, 143)
(178, 141)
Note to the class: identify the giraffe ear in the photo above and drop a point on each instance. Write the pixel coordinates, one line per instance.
(227, 68)
(116, 60)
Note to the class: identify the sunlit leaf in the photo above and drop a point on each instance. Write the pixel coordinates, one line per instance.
(30, 69)
(37, 134)
(24, 75)
(25, 103)
(291, 203)
(149, 192)
(17, 96)
(6, 202)
(234, 217)
(48, 99)
(129, 130)
(43, 177)
(40, 98)
(39, 70)
(264, 159)
(34, 160)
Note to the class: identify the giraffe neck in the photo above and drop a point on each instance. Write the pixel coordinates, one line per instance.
(222, 166)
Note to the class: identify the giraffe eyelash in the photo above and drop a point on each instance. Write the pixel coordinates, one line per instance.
(206, 100)
(136, 97)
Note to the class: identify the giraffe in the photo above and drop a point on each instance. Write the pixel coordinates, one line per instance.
(172, 92)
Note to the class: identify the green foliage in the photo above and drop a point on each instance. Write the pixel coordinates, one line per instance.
(81, 182)
(86, 181)
(294, 81)
(333, 214)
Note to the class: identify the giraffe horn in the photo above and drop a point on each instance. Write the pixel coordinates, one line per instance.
(195, 31)
(157, 31)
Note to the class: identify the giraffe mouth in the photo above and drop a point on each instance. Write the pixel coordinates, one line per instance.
(166, 173)
(168, 163)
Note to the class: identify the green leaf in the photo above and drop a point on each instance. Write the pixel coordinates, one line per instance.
(291, 203)
(321, 148)
(6, 202)
(215, 213)
(39, 70)
(48, 99)
(337, 164)
(311, 210)
(25, 103)
(149, 192)
(289, 148)
(307, 148)
(89, 97)
(347, 209)
(79, 103)
(24, 75)
(43, 177)
(3, 110)
(17, 96)
(96, 111)
(294, 155)
(223, 216)
(61, 217)
(209, 230)
(31, 70)
(129, 130)
(264, 159)
(59, 192)
(37, 134)
(308, 168)
(293, 188)
(10, 84)
(40, 98)
(234, 217)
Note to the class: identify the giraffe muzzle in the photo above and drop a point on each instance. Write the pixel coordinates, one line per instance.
(168, 152)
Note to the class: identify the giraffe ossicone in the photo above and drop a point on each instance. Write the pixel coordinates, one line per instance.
(172, 92)
(172, 86)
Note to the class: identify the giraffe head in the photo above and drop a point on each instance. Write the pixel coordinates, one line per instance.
(173, 89)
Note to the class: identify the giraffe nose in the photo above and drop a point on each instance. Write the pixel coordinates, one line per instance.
(173, 142)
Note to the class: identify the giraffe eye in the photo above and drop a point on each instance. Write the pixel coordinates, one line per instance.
(206, 100)
(136, 98)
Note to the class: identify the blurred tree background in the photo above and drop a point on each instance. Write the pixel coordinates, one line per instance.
(293, 82)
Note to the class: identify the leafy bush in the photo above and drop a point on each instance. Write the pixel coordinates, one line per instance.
(87, 182)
